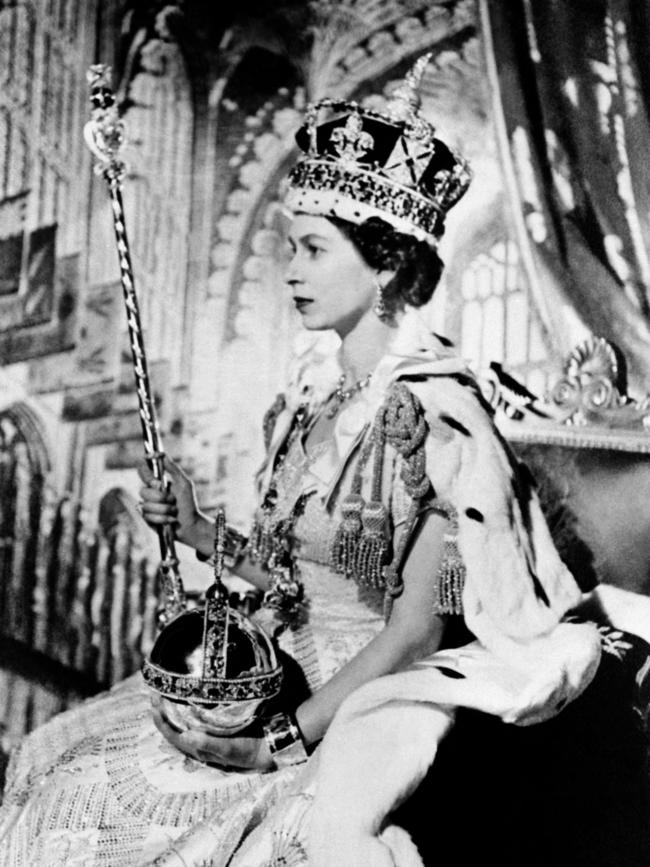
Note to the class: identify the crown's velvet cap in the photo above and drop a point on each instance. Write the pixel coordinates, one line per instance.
(359, 163)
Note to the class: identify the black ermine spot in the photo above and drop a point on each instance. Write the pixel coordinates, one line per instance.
(474, 514)
(452, 422)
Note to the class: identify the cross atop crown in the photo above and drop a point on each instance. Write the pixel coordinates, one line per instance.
(350, 141)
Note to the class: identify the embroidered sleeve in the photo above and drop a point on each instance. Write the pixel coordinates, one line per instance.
(442, 461)
(362, 547)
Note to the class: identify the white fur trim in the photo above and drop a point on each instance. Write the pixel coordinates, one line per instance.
(329, 203)
(385, 736)
(365, 771)
(510, 559)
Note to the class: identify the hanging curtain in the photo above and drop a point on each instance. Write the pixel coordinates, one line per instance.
(570, 83)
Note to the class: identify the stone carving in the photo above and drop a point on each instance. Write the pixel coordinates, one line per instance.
(593, 388)
(588, 406)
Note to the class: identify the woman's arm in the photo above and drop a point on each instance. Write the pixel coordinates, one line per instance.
(413, 631)
(177, 504)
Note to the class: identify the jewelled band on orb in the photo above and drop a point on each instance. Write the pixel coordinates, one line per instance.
(211, 690)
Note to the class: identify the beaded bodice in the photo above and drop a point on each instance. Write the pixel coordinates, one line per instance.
(343, 616)
(301, 475)
(314, 528)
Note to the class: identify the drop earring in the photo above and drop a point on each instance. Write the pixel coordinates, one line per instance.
(379, 307)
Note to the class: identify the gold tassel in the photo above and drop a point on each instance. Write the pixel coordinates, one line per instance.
(343, 552)
(450, 579)
(373, 546)
(346, 538)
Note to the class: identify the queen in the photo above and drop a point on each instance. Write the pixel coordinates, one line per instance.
(404, 563)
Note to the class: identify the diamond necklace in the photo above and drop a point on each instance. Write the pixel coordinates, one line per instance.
(340, 394)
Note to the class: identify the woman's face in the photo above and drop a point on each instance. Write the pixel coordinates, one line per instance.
(332, 286)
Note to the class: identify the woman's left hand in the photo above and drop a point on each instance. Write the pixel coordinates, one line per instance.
(236, 753)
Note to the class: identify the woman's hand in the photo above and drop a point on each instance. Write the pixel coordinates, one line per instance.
(174, 503)
(235, 753)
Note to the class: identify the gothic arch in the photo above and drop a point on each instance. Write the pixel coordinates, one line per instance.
(31, 431)
(24, 464)
(158, 193)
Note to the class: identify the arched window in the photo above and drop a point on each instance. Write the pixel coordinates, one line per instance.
(158, 193)
(22, 69)
(5, 150)
(123, 589)
(45, 49)
(23, 466)
(497, 320)
(18, 167)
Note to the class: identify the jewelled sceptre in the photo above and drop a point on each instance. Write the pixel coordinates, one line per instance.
(104, 135)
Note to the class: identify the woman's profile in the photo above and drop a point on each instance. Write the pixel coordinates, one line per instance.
(403, 558)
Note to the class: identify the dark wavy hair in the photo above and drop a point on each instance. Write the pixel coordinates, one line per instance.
(416, 264)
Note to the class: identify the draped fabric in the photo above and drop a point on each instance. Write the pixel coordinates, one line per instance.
(570, 82)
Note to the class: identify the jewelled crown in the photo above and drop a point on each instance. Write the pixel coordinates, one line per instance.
(361, 163)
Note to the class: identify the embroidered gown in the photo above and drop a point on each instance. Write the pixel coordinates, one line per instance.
(98, 785)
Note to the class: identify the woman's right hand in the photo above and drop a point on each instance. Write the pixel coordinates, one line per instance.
(170, 503)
